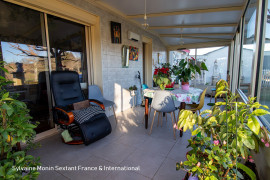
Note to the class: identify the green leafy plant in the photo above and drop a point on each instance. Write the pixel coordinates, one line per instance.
(133, 88)
(187, 68)
(224, 137)
(15, 128)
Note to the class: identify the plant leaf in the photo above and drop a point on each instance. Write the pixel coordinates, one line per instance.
(249, 172)
(254, 125)
(260, 112)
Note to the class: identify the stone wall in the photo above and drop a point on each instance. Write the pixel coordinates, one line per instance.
(116, 80)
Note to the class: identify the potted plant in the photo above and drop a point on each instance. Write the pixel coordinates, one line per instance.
(15, 128)
(186, 69)
(133, 90)
(224, 137)
(162, 76)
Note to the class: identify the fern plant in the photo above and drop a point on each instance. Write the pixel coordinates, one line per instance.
(224, 137)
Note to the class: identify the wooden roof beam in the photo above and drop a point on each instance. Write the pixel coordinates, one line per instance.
(194, 11)
(194, 37)
(197, 34)
(200, 45)
(194, 26)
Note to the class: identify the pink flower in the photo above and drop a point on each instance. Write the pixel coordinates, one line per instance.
(224, 142)
(262, 140)
(244, 157)
(251, 160)
(216, 142)
(198, 164)
(175, 126)
(267, 144)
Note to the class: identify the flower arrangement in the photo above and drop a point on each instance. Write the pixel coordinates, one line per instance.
(224, 137)
(187, 68)
(162, 75)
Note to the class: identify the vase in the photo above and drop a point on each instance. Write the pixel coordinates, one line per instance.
(193, 177)
(185, 85)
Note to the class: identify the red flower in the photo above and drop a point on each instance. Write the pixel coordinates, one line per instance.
(193, 58)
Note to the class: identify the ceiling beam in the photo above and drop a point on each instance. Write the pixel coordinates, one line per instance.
(194, 26)
(197, 34)
(194, 37)
(195, 11)
(200, 45)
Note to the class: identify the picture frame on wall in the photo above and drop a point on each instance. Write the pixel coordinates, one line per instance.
(133, 53)
(116, 32)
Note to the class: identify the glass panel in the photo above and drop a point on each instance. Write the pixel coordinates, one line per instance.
(265, 81)
(248, 48)
(23, 47)
(67, 47)
(216, 60)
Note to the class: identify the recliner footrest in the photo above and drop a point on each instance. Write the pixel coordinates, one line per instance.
(95, 128)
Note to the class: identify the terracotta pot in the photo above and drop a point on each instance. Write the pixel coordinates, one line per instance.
(185, 85)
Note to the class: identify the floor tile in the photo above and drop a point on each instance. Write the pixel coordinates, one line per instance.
(149, 162)
(168, 171)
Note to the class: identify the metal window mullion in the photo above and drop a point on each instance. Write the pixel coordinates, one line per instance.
(89, 58)
(50, 99)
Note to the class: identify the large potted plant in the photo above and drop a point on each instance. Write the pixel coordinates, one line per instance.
(162, 75)
(224, 137)
(15, 128)
(186, 70)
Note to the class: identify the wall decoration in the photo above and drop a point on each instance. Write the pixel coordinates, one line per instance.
(116, 32)
(133, 53)
(125, 56)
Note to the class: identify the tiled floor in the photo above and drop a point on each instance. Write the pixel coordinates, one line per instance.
(129, 144)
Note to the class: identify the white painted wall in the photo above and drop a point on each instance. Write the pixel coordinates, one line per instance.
(115, 78)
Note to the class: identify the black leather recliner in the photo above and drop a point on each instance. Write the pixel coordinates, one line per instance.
(66, 91)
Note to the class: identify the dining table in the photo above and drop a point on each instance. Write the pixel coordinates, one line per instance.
(191, 96)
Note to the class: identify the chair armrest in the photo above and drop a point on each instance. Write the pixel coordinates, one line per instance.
(97, 102)
(66, 118)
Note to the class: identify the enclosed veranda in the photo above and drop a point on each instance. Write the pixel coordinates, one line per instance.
(111, 44)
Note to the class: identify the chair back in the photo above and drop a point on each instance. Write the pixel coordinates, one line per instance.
(144, 86)
(95, 93)
(201, 104)
(163, 102)
(66, 88)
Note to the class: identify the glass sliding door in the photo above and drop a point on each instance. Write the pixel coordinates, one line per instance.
(23, 47)
(67, 48)
(27, 37)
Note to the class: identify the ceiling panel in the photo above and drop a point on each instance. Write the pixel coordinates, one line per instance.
(196, 30)
(131, 7)
(176, 41)
(205, 18)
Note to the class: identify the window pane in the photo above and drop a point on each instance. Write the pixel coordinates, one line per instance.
(23, 47)
(248, 48)
(265, 81)
(67, 46)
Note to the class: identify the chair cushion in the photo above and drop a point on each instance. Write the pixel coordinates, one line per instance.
(83, 115)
